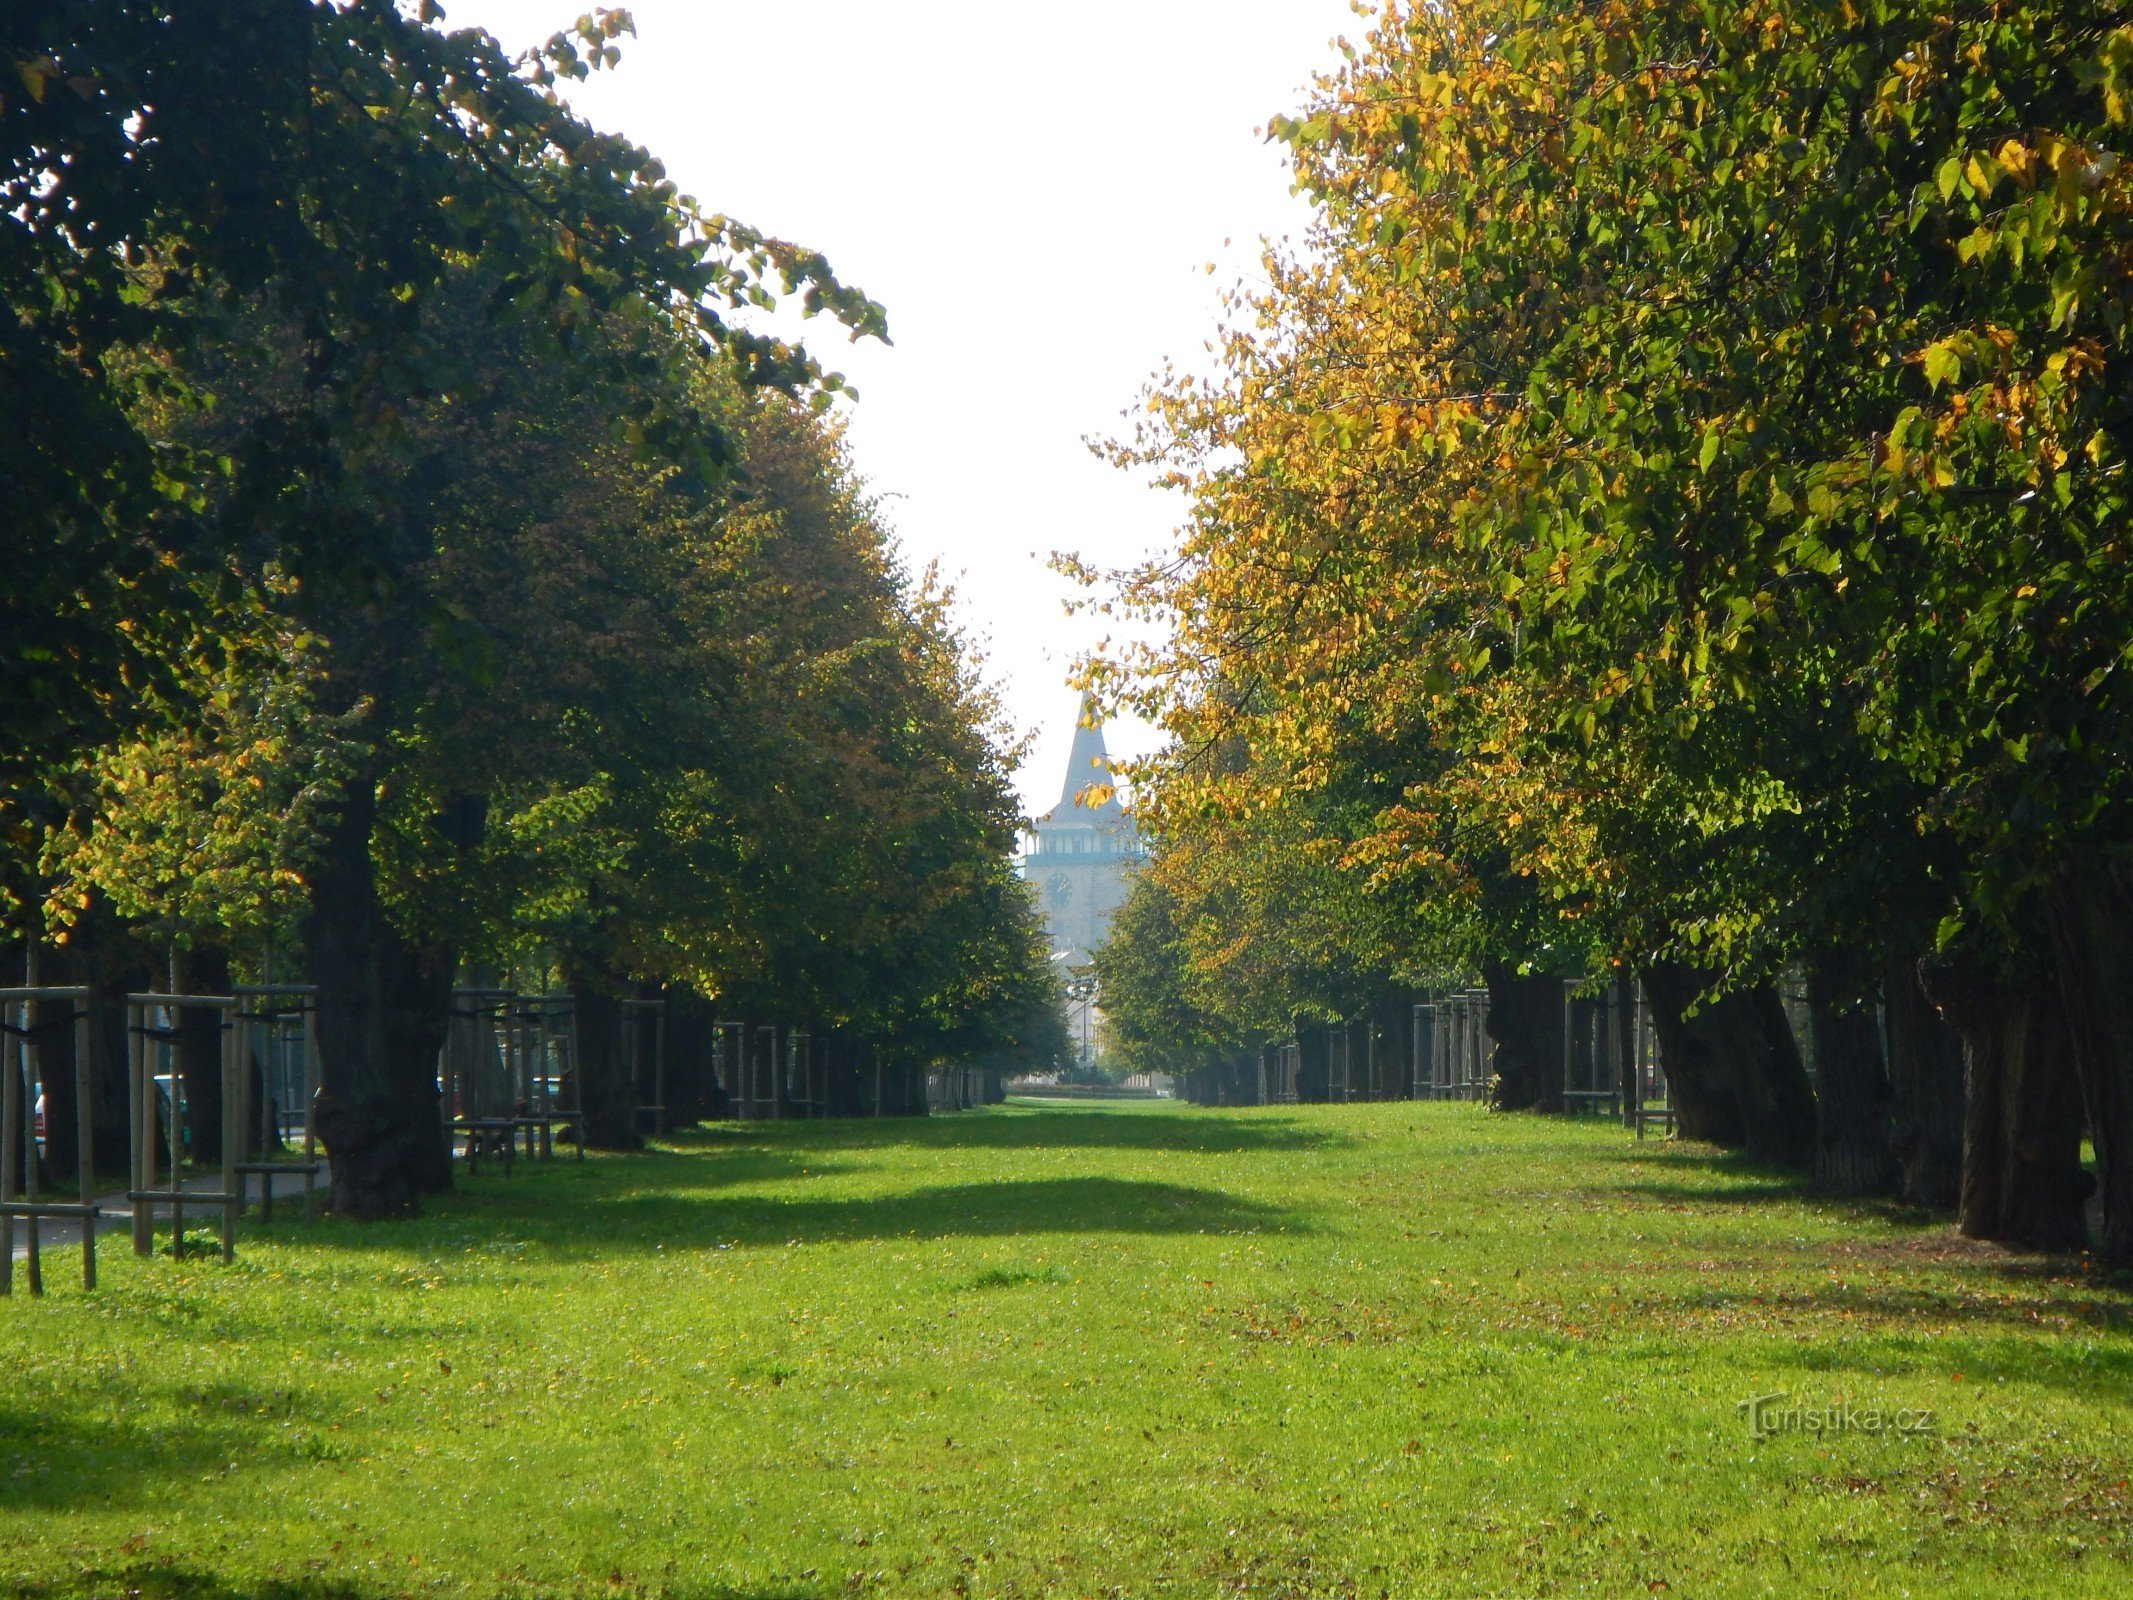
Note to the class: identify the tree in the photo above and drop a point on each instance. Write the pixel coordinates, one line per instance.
(1658, 470)
(342, 158)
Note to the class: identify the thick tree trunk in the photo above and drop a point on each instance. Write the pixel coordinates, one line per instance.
(606, 1096)
(2022, 1177)
(1926, 1081)
(383, 1010)
(1526, 1022)
(1733, 1067)
(1854, 1125)
(2091, 917)
(693, 1092)
(1705, 1107)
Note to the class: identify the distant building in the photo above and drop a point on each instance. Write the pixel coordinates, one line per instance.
(1079, 854)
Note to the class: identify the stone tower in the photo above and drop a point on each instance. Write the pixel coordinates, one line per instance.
(1079, 853)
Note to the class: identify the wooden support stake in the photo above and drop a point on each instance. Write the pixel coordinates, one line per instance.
(10, 1143)
(310, 1102)
(659, 1071)
(234, 1085)
(141, 1151)
(85, 1145)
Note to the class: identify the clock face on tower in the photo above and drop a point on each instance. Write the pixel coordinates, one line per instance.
(1059, 889)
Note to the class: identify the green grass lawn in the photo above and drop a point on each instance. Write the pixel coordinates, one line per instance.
(1108, 1350)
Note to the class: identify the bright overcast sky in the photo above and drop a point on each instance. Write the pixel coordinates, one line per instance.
(1034, 192)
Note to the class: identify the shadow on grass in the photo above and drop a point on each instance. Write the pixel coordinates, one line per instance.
(1186, 1131)
(630, 1216)
(51, 1460)
(1740, 1181)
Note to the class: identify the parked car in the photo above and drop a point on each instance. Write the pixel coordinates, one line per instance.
(164, 1084)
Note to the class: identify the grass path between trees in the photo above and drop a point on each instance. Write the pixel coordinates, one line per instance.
(1083, 1350)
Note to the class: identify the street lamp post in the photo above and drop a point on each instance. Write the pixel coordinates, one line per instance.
(1081, 989)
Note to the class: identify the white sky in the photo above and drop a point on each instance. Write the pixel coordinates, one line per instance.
(1034, 193)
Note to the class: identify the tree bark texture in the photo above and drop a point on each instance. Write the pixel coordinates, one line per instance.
(97, 957)
(607, 1099)
(1855, 1151)
(383, 1010)
(2022, 1180)
(1392, 1044)
(1705, 1107)
(1733, 1068)
(693, 1092)
(1926, 1083)
(2091, 919)
(1313, 1074)
(1526, 1023)
(205, 971)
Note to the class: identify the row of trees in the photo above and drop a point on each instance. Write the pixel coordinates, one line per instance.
(421, 569)
(1670, 520)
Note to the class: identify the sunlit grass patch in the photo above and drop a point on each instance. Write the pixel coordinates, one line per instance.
(1122, 1349)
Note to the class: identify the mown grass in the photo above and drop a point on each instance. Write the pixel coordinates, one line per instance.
(1111, 1350)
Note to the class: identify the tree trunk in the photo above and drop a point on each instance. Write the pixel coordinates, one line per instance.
(692, 1077)
(2022, 1178)
(775, 1054)
(1734, 1067)
(1926, 1081)
(1854, 1127)
(2091, 917)
(607, 1098)
(1314, 1082)
(1526, 1022)
(206, 971)
(1394, 1043)
(383, 1010)
(1705, 1107)
(96, 956)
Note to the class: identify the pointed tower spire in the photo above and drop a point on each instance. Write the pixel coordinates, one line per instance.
(1088, 765)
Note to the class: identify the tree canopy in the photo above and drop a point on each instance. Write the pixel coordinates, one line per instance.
(429, 565)
(1669, 512)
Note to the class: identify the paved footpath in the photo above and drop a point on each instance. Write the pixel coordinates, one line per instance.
(56, 1234)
